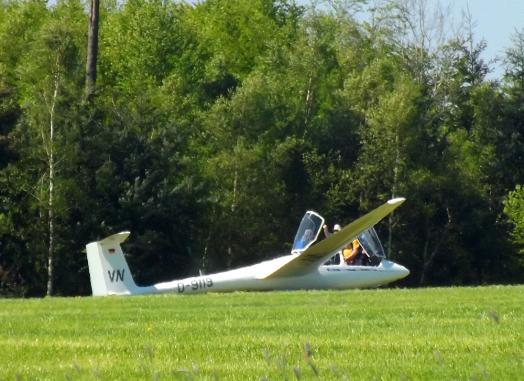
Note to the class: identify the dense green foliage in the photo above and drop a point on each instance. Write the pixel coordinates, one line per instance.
(421, 334)
(215, 125)
(514, 208)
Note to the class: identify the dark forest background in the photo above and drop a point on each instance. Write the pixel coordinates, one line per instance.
(214, 126)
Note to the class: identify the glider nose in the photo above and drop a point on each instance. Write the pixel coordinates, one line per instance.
(402, 271)
(395, 270)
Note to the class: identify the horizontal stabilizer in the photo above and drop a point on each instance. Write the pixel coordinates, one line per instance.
(315, 255)
(115, 239)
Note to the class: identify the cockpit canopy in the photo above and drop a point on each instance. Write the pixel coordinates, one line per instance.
(310, 228)
(308, 231)
(371, 243)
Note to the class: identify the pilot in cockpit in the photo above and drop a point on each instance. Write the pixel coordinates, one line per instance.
(363, 250)
(355, 254)
(327, 233)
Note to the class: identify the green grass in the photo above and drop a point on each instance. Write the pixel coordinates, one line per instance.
(424, 334)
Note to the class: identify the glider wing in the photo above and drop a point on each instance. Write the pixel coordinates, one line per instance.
(315, 255)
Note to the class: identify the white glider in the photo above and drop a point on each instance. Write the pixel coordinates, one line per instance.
(309, 266)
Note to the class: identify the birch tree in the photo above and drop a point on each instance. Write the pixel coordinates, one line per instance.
(49, 78)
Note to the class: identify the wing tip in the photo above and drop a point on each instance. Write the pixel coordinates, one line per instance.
(396, 201)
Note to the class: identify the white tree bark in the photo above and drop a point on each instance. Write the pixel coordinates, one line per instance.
(51, 168)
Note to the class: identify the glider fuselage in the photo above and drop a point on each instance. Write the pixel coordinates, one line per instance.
(245, 279)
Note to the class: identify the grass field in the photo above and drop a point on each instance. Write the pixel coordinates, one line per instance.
(423, 334)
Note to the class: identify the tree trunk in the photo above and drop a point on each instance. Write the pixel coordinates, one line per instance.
(308, 103)
(51, 168)
(394, 190)
(92, 50)
(233, 207)
(428, 261)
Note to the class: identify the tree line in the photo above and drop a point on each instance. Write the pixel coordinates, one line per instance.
(215, 125)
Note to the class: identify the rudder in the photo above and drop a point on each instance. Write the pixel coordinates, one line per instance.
(108, 269)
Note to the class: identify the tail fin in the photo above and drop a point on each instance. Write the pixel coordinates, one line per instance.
(108, 268)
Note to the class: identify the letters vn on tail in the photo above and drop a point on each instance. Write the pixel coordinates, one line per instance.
(116, 275)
